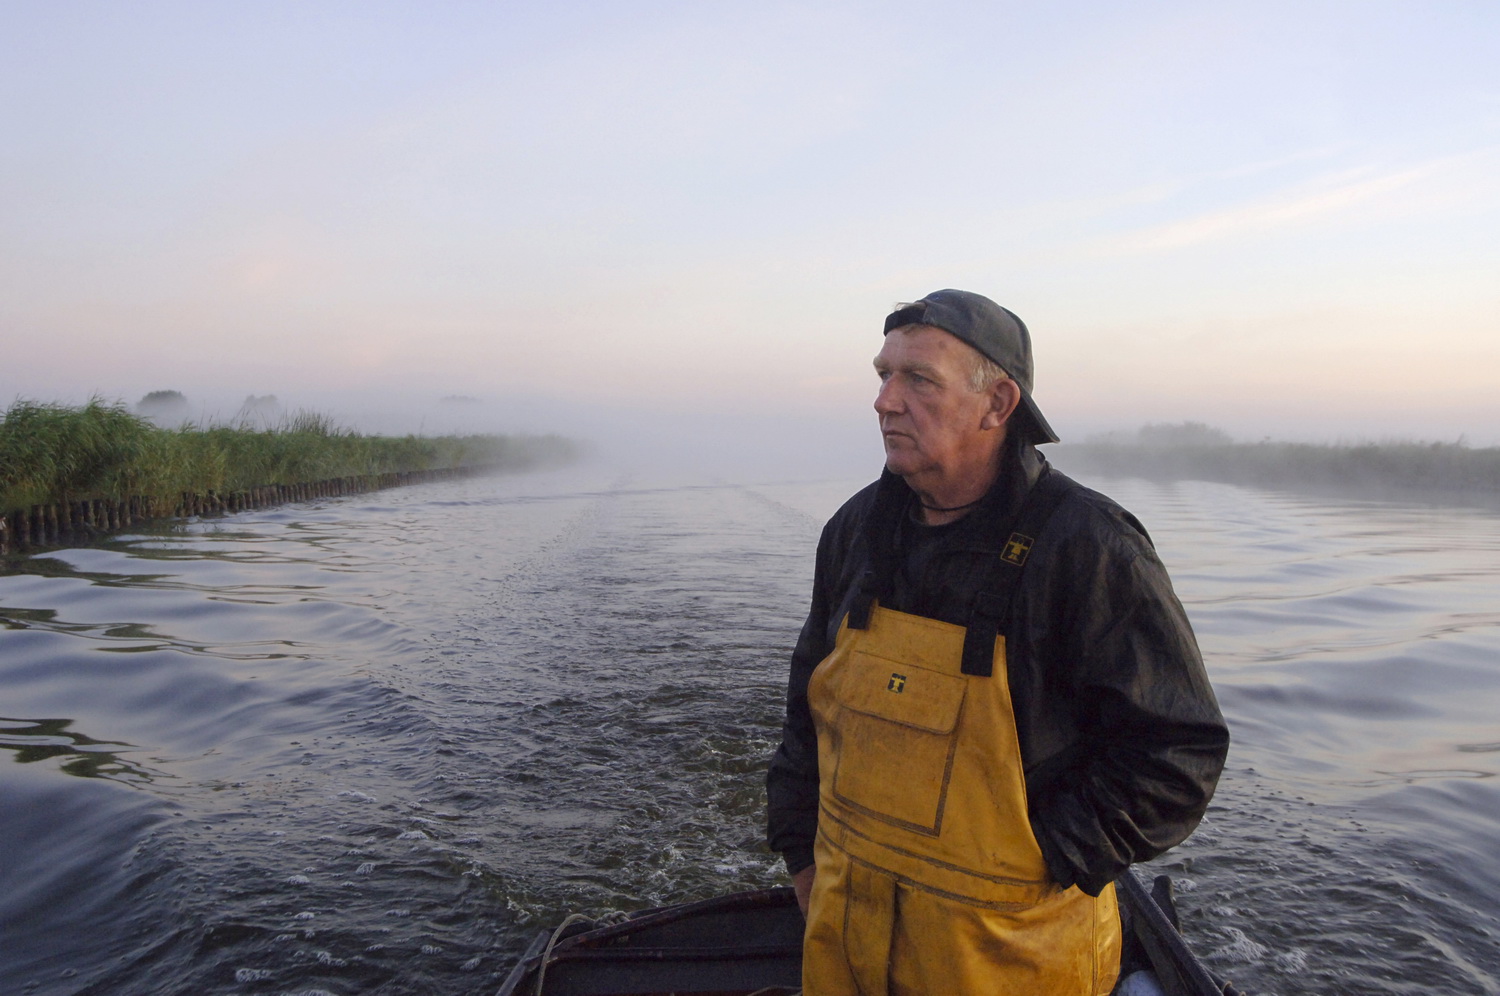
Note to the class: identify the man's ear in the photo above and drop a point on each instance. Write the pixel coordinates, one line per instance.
(1004, 397)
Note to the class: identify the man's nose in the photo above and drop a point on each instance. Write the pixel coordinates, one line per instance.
(888, 398)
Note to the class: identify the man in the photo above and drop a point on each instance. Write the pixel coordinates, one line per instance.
(996, 703)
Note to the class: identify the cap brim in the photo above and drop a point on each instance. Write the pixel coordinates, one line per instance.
(1039, 431)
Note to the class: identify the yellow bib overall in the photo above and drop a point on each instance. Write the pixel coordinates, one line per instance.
(929, 880)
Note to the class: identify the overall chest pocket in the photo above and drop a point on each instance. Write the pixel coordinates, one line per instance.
(898, 727)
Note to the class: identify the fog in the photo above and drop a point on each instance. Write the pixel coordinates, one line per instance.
(676, 443)
(685, 443)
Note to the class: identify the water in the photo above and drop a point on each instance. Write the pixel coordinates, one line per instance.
(373, 744)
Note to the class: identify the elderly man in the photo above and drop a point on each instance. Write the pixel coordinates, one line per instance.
(996, 703)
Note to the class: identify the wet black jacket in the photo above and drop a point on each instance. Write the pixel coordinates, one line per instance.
(1121, 737)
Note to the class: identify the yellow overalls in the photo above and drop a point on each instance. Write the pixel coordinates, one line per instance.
(929, 880)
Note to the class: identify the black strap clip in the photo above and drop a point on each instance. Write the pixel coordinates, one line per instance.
(864, 601)
(980, 636)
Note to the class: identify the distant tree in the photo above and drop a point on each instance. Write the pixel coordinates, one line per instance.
(262, 410)
(163, 407)
(1181, 434)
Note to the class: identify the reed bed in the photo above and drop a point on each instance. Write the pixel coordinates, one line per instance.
(1198, 452)
(53, 454)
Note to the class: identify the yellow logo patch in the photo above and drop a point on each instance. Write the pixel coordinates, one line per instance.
(897, 683)
(1016, 549)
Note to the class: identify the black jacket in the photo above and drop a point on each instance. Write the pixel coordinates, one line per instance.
(1121, 737)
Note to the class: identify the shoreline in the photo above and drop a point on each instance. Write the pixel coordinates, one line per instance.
(59, 525)
(1448, 470)
(70, 474)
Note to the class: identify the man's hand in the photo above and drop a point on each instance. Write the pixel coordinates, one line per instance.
(802, 885)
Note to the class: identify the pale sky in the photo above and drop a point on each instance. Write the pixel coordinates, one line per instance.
(1279, 218)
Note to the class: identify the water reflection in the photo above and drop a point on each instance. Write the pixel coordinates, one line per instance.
(32, 740)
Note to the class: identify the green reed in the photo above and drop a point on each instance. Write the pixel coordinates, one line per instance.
(53, 453)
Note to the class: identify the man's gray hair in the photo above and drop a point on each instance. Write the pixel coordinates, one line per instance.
(984, 373)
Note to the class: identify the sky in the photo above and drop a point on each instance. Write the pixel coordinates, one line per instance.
(632, 218)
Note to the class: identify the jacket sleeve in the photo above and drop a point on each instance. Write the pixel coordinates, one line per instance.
(792, 781)
(1150, 739)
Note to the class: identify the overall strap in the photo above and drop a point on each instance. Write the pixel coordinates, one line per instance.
(991, 609)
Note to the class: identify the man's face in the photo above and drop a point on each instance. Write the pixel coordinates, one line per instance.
(933, 423)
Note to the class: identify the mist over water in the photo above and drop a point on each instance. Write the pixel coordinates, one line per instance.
(373, 744)
(653, 436)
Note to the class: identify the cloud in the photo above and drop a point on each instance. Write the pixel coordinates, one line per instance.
(1280, 162)
(1284, 210)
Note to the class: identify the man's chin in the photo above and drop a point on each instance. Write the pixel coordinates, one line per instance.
(899, 464)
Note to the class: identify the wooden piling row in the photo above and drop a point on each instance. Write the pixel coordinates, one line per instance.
(72, 523)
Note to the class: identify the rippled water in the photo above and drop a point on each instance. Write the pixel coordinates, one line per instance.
(372, 744)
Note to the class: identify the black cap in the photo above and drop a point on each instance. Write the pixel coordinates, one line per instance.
(995, 331)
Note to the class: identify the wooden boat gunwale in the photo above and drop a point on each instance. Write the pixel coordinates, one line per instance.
(1148, 919)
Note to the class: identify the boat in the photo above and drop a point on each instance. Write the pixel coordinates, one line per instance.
(750, 944)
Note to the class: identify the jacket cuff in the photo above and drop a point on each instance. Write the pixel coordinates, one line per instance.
(797, 858)
(1061, 869)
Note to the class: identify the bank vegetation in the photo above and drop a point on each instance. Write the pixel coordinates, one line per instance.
(1194, 451)
(56, 454)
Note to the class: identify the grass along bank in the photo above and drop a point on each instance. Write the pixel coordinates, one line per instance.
(1194, 451)
(54, 454)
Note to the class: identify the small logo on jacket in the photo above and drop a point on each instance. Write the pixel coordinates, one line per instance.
(1016, 549)
(897, 683)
